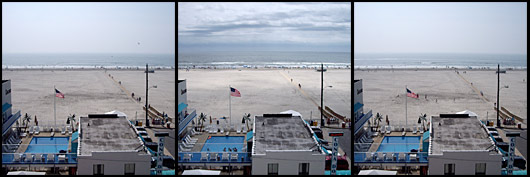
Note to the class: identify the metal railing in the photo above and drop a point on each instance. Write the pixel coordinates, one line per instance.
(214, 157)
(391, 157)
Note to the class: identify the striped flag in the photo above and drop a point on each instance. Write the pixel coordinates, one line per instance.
(411, 94)
(59, 94)
(234, 92)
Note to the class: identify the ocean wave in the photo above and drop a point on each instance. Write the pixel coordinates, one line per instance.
(82, 67)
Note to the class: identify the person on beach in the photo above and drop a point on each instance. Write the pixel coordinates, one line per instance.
(132, 94)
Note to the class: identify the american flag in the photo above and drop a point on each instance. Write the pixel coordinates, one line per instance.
(411, 94)
(234, 92)
(59, 94)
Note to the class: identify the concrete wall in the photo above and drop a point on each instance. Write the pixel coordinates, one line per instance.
(6, 97)
(288, 162)
(465, 162)
(358, 95)
(114, 163)
(182, 97)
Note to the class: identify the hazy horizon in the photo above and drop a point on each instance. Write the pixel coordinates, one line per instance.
(86, 27)
(439, 27)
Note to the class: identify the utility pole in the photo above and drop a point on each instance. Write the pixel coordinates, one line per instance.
(146, 94)
(322, 95)
(498, 89)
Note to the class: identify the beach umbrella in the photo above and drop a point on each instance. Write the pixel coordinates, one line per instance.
(36, 122)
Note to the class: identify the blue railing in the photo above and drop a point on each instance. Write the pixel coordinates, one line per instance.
(34, 158)
(391, 157)
(204, 157)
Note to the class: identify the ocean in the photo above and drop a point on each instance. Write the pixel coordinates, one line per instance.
(468, 61)
(87, 61)
(263, 59)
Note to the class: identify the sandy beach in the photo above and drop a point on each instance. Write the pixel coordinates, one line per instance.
(88, 92)
(447, 92)
(265, 91)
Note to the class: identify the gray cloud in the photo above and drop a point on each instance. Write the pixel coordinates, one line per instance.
(296, 23)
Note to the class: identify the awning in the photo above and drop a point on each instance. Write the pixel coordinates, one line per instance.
(377, 172)
(249, 135)
(120, 114)
(467, 112)
(75, 136)
(426, 135)
(25, 173)
(357, 106)
(201, 172)
(5, 106)
(182, 106)
(339, 172)
(293, 113)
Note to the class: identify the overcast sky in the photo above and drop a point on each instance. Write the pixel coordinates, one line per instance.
(264, 27)
(440, 28)
(88, 27)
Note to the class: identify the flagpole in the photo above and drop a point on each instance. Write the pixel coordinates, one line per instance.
(54, 112)
(406, 105)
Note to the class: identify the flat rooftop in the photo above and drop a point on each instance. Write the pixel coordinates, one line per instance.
(459, 133)
(107, 133)
(282, 133)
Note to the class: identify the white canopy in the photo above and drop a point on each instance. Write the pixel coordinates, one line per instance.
(377, 172)
(201, 172)
(294, 113)
(120, 114)
(25, 173)
(467, 112)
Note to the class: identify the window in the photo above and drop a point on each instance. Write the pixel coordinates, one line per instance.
(449, 169)
(303, 169)
(129, 169)
(98, 169)
(480, 169)
(273, 169)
